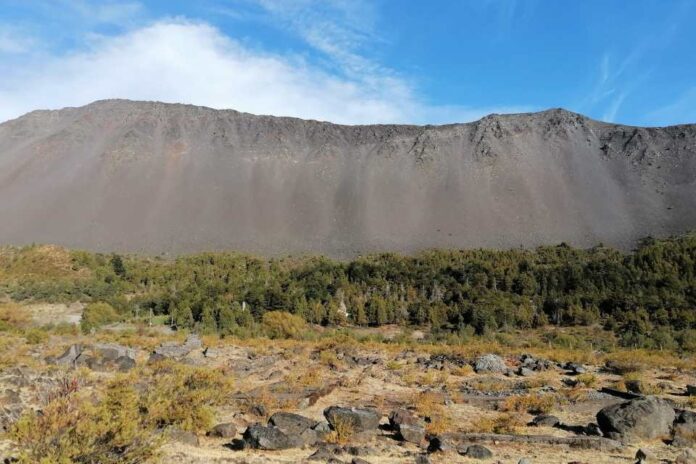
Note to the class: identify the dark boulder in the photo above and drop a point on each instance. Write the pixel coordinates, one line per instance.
(124, 363)
(402, 416)
(490, 363)
(225, 430)
(360, 419)
(291, 424)
(411, 433)
(642, 418)
(266, 438)
(545, 420)
(476, 452)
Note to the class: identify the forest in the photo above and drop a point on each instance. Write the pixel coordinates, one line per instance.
(647, 297)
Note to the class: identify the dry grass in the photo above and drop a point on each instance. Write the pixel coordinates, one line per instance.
(342, 431)
(533, 404)
(587, 379)
(501, 423)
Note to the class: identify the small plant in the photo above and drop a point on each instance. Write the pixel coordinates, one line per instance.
(393, 365)
(35, 336)
(343, 430)
(533, 404)
(502, 423)
(463, 371)
(587, 379)
(507, 423)
(329, 358)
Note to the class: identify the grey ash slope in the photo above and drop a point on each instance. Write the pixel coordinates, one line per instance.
(155, 177)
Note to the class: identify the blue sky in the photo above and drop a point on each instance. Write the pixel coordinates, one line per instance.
(357, 61)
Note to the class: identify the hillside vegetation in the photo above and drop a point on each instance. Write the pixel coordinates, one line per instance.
(646, 297)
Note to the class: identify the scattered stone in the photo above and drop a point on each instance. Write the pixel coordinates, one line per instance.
(575, 368)
(646, 418)
(684, 429)
(182, 436)
(402, 416)
(524, 371)
(545, 420)
(476, 452)
(592, 430)
(439, 444)
(68, 358)
(324, 453)
(258, 410)
(361, 419)
(266, 438)
(291, 424)
(155, 358)
(124, 363)
(225, 430)
(174, 350)
(524, 461)
(635, 386)
(645, 456)
(323, 427)
(411, 433)
(490, 363)
(423, 459)
(113, 351)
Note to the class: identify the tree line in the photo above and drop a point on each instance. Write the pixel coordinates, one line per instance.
(647, 296)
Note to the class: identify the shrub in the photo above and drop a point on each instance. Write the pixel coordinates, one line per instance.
(533, 404)
(72, 429)
(342, 431)
(97, 315)
(183, 396)
(281, 324)
(588, 379)
(35, 336)
(13, 316)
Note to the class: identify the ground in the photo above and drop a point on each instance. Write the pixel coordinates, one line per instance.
(307, 376)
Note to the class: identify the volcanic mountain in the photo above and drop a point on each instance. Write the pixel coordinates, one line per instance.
(120, 175)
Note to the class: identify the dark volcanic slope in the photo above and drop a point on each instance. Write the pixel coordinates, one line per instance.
(136, 176)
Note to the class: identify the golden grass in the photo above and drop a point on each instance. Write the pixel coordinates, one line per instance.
(533, 404)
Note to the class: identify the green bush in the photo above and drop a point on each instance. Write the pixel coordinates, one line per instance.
(97, 315)
(36, 336)
(281, 324)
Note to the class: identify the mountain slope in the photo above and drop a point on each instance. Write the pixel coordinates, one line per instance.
(155, 177)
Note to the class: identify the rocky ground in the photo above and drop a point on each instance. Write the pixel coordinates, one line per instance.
(339, 400)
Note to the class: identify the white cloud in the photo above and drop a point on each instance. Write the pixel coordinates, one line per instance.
(187, 62)
(13, 41)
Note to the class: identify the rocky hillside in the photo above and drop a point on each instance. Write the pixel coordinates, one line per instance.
(155, 177)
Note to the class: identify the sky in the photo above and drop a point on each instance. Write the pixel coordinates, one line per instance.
(357, 61)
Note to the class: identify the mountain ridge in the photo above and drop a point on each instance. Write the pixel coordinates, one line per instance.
(160, 177)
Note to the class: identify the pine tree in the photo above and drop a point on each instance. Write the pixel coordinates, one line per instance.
(183, 317)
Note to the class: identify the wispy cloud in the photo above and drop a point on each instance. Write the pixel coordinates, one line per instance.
(15, 41)
(193, 62)
(620, 73)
